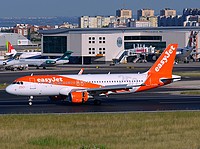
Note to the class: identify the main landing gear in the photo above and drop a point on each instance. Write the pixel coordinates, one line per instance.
(30, 100)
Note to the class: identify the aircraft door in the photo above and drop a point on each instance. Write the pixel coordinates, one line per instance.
(33, 84)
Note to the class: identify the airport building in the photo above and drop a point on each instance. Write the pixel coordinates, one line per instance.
(18, 41)
(14, 38)
(107, 44)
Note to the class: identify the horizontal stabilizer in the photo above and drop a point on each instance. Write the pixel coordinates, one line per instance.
(169, 80)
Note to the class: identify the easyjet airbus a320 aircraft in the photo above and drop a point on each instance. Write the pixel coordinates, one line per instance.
(81, 88)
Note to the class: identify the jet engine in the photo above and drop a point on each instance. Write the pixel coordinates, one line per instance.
(78, 97)
(50, 62)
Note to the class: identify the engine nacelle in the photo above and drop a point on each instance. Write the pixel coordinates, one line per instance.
(50, 62)
(78, 97)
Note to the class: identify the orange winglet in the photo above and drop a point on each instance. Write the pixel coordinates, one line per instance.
(81, 71)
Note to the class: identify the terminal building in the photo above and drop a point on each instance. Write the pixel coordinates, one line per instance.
(106, 44)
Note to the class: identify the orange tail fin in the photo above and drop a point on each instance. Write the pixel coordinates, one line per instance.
(161, 72)
(165, 62)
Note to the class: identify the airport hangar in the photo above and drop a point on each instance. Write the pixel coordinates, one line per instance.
(95, 45)
(18, 41)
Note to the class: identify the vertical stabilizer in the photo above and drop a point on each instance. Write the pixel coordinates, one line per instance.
(10, 49)
(161, 72)
(165, 62)
(66, 55)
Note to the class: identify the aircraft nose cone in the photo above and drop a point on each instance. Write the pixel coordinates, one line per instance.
(9, 89)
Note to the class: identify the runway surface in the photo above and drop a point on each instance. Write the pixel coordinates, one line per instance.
(161, 99)
(157, 100)
(93, 69)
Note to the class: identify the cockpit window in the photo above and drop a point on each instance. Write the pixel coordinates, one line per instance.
(20, 83)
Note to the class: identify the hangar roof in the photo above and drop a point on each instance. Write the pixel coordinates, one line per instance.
(119, 30)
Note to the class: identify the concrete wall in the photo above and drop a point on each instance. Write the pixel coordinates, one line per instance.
(176, 37)
(74, 43)
(110, 45)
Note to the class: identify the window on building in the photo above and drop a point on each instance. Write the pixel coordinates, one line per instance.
(143, 38)
(91, 39)
(54, 44)
(90, 51)
(102, 39)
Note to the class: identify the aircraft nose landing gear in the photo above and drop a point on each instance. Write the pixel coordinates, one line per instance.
(30, 100)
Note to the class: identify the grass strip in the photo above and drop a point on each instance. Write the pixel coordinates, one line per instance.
(188, 74)
(3, 86)
(166, 130)
(190, 93)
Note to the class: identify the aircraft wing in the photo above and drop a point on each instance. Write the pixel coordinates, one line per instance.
(104, 89)
(17, 55)
(112, 88)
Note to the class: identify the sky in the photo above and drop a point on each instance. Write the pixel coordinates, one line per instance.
(72, 8)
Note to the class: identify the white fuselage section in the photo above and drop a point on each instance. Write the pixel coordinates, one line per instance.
(35, 62)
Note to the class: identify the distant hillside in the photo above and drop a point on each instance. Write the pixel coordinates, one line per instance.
(10, 22)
